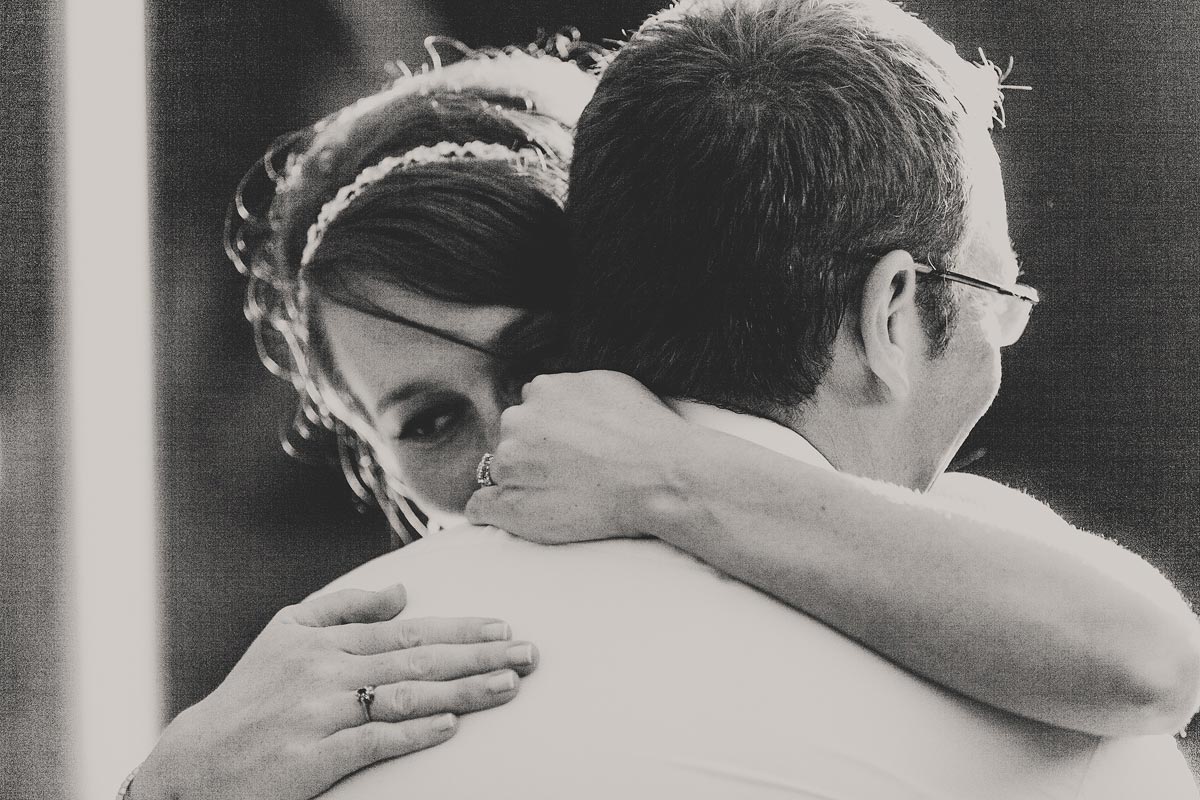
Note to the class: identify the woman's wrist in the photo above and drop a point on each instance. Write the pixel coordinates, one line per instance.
(671, 507)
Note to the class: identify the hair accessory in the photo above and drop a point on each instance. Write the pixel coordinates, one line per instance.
(483, 472)
(366, 696)
(442, 151)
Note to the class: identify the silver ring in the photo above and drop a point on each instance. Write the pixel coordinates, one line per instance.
(483, 473)
(366, 696)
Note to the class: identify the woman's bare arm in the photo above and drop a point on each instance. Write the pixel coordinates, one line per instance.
(974, 586)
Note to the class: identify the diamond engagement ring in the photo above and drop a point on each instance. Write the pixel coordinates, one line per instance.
(366, 696)
(483, 473)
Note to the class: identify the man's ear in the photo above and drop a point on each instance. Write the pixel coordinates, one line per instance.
(889, 322)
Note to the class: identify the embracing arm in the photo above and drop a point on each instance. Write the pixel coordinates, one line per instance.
(990, 594)
(1004, 602)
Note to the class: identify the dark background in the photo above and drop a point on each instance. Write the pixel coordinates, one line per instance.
(32, 603)
(1097, 414)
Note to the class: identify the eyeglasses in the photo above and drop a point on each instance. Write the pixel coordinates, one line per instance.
(1018, 300)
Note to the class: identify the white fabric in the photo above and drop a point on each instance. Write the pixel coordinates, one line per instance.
(762, 432)
(661, 678)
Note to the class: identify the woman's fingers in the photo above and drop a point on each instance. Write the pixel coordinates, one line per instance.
(396, 702)
(346, 606)
(444, 662)
(490, 505)
(400, 634)
(351, 749)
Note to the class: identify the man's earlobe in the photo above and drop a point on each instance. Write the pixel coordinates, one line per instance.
(889, 323)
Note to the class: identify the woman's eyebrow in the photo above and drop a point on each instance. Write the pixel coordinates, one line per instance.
(404, 392)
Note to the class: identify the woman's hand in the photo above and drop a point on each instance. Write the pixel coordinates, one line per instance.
(582, 457)
(287, 724)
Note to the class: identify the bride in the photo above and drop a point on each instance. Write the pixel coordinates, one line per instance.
(406, 275)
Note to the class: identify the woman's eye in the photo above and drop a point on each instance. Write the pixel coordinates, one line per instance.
(430, 425)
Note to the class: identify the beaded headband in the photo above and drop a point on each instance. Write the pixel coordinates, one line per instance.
(442, 151)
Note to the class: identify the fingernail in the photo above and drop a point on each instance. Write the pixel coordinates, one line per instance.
(444, 723)
(502, 682)
(520, 655)
(496, 631)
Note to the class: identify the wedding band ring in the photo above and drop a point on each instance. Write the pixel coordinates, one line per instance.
(483, 473)
(366, 696)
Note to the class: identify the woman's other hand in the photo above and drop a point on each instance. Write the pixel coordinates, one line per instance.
(584, 456)
(287, 723)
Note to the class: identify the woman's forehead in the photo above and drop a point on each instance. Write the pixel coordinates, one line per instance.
(472, 324)
(377, 356)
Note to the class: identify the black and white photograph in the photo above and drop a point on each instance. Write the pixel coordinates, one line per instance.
(640, 398)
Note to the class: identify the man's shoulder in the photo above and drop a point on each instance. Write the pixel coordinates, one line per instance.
(970, 487)
(717, 675)
(462, 555)
(991, 499)
(380, 571)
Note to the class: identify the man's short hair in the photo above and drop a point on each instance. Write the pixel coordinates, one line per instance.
(739, 170)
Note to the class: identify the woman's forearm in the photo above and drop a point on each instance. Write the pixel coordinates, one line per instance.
(1009, 604)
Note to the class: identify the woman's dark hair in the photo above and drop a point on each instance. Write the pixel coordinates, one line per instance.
(460, 177)
(477, 232)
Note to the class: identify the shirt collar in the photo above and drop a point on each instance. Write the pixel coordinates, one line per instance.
(758, 430)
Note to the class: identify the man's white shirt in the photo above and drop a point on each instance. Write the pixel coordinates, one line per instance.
(662, 678)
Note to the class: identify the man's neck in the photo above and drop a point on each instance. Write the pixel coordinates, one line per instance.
(855, 440)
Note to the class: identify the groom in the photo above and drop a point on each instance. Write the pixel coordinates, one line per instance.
(760, 190)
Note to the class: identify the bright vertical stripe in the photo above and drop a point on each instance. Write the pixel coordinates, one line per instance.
(116, 690)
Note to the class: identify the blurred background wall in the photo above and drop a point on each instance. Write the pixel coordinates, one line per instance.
(1097, 414)
(32, 546)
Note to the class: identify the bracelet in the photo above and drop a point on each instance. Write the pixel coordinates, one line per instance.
(123, 793)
